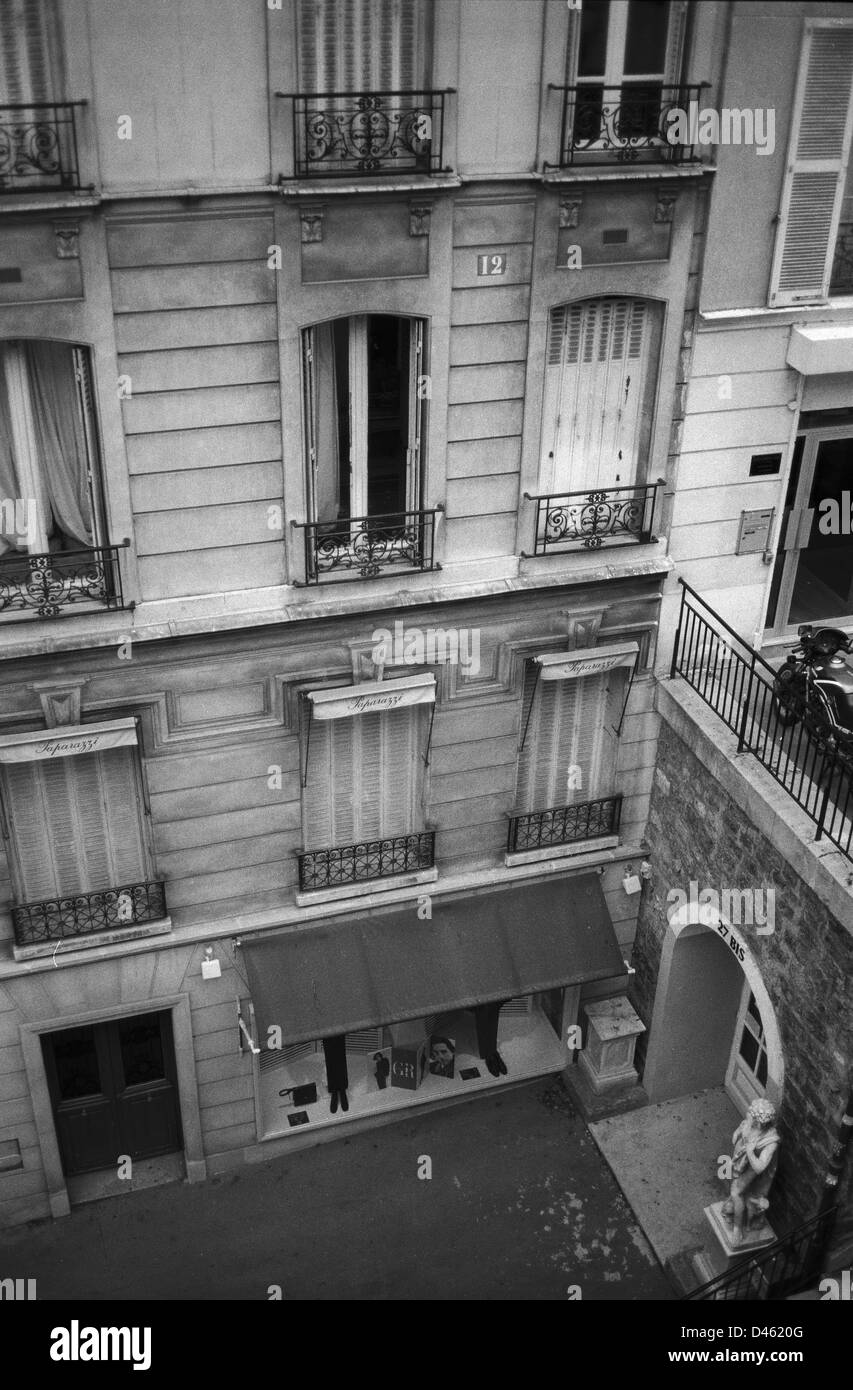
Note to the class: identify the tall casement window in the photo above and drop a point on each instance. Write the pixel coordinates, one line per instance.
(814, 237)
(569, 753)
(364, 416)
(363, 45)
(363, 778)
(76, 829)
(30, 52)
(48, 449)
(622, 55)
(600, 380)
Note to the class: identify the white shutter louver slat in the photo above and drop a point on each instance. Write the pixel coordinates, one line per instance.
(817, 160)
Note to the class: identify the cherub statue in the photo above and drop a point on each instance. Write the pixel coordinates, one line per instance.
(754, 1160)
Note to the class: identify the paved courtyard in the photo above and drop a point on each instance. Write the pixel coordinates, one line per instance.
(520, 1205)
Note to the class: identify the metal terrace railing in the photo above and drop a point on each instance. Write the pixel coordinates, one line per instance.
(630, 123)
(85, 914)
(38, 146)
(591, 520)
(780, 1269)
(390, 132)
(737, 684)
(46, 585)
(369, 859)
(364, 547)
(562, 825)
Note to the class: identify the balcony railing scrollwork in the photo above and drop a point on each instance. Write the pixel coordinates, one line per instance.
(593, 519)
(564, 825)
(370, 859)
(388, 132)
(365, 547)
(86, 914)
(46, 585)
(636, 122)
(38, 146)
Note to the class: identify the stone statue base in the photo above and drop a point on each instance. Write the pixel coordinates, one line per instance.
(755, 1238)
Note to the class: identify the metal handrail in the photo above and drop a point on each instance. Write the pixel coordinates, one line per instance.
(86, 914)
(44, 584)
(747, 1279)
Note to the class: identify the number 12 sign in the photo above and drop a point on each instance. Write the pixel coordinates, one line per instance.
(493, 264)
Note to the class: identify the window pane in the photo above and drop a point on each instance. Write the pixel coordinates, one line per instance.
(749, 1049)
(761, 1071)
(645, 47)
(141, 1051)
(76, 1064)
(593, 41)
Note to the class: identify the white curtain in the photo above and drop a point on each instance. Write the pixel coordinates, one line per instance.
(9, 487)
(61, 440)
(326, 442)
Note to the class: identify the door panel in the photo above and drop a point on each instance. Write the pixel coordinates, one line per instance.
(746, 1079)
(114, 1091)
(813, 575)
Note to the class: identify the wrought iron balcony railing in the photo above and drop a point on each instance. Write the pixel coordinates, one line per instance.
(776, 1272)
(364, 547)
(636, 122)
(85, 914)
(46, 585)
(592, 520)
(398, 854)
(841, 279)
(806, 757)
(563, 825)
(38, 146)
(340, 133)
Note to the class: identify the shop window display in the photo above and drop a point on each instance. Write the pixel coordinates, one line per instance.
(413, 1062)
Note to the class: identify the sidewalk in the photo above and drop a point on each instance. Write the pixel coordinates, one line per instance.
(521, 1205)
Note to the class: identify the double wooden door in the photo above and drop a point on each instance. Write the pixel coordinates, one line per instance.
(114, 1091)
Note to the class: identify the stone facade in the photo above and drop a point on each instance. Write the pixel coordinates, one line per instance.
(696, 831)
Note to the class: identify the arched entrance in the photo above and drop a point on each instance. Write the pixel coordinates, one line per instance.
(713, 1024)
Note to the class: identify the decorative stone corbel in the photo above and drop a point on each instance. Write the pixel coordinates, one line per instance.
(311, 218)
(419, 216)
(60, 701)
(582, 627)
(570, 210)
(67, 235)
(665, 205)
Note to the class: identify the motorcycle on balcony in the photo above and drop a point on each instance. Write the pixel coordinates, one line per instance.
(814, 687)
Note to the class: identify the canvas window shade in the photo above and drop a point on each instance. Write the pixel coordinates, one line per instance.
(362, 778)
(361, 45)
(571, 725)
(76, 824)
(595, 410)
(819, 150)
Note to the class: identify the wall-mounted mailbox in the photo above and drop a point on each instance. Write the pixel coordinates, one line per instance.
(754, 532)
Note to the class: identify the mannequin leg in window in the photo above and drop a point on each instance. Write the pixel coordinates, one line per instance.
(486, 1021)
(337, 1079)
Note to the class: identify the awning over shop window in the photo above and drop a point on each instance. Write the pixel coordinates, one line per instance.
(373, 697)
(67, 741)
(388, 966)
(586, 661)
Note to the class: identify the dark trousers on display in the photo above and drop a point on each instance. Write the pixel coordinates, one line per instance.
(486, 1020)
(337, 1078)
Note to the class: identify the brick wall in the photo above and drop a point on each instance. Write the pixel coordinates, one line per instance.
(696, 831)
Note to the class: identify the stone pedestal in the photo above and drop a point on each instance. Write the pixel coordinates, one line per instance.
(607, 1060)
(754, 1239)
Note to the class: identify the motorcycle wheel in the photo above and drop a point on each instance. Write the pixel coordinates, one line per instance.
(789, 697)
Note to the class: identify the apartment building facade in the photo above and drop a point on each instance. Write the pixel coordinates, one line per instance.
(341, 348)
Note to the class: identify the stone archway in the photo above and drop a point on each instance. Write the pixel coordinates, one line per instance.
(700, 982)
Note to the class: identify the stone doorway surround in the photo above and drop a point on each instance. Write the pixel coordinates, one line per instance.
(178, 1006)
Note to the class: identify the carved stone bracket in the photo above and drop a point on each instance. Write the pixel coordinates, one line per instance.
(665, 205)
(419, 218)
(582, 626)
(60, 701)
(67, 235)
(311, 218)
(570, 210)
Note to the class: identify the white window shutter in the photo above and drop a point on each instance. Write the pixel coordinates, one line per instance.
(369, 792)
(30, 830)
(317, 795)
(400, 764)
(568, 728)
(361, 45)
(28, 36)
(675, 42)
(363, 779)
(122, 792)
(819, 149)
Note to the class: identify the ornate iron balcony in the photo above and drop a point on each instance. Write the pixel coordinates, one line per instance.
(340, 133)
(399, 854)
(365, 547)
(85, 914)
(630, 123)
(38, 146)
(563, 825)
(45, 585)
(593, 520)
(841, 280)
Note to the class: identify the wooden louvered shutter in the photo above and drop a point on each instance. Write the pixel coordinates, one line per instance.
(93, 867)
(568, 728)
(33, 831)
(28, 51)
(122, 795)
(317, 796)
(400, 764)
(817, 161)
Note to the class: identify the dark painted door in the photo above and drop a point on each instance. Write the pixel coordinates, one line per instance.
(114, 1091)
